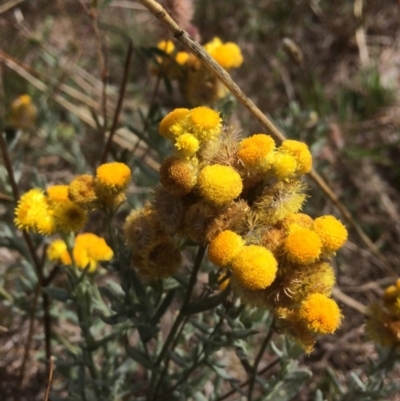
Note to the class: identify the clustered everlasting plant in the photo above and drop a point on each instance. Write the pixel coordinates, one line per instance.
(243, 198)
(170, 291)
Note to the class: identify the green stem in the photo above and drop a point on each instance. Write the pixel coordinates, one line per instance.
(259, 356)
(179, 319)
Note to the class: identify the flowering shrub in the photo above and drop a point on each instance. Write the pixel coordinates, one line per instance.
(189, 267)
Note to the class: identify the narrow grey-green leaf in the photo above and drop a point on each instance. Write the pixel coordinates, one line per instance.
(60, 294)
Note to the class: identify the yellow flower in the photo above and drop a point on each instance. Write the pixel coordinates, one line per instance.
(182, 57)
(172, 125)
(296, 220)
(279, 200)
(320, 314)
(166, 46)
(224, 247)
(112, 178)
(58, 252)
(283, 165)
(67, 215)
(254, 267)
(227, 55)
(82, 192)
(204, 123)
(187, 145)
(331, 231)
(219, 184)
(256, 152)
(178, 176)
(33, 213)
(390, 294)
(301, 154)
(89, 249)
(303, 246)
(57, 193)
(22, 113)
(212, 45)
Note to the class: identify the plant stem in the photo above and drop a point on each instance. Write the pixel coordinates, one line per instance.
(124, 82)
(243, 384)
(181, 316)
(259, 356)
(36, 262)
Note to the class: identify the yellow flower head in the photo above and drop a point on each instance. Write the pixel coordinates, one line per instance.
(332, 232)
(303, 246)
(112, 178)
(254, 267)
(390, 294)
(300, 152)
(58, 252)
(296, 220)
(172, 125)
(81, 191)
(69, 217)
(90, 249)
(212, 45)
(279, 200)
(22, 113)
(182, 57)
(224, 247)
(33, 213)
(140, 227)
(256, 152)
(227, 55)
(166, 46)
(57, 194)
(320, 314)
(187, 145)
(219, 184)
(283, 165)
(178, 176)
(204, 123)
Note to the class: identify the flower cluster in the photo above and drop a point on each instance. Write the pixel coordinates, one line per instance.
(64, 209)
(244, 199)
(88, 250)
(197, 84)
(383, 323)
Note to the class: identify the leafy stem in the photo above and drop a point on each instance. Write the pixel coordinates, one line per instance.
(179, 319)
(257, 361)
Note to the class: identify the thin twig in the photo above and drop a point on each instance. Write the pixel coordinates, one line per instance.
(179, 319)
(119, 104)
(246, 382)
(50, 379)
(195, 48)
(36, 262)
(9, 5)
(257, 361)
(102, 63)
